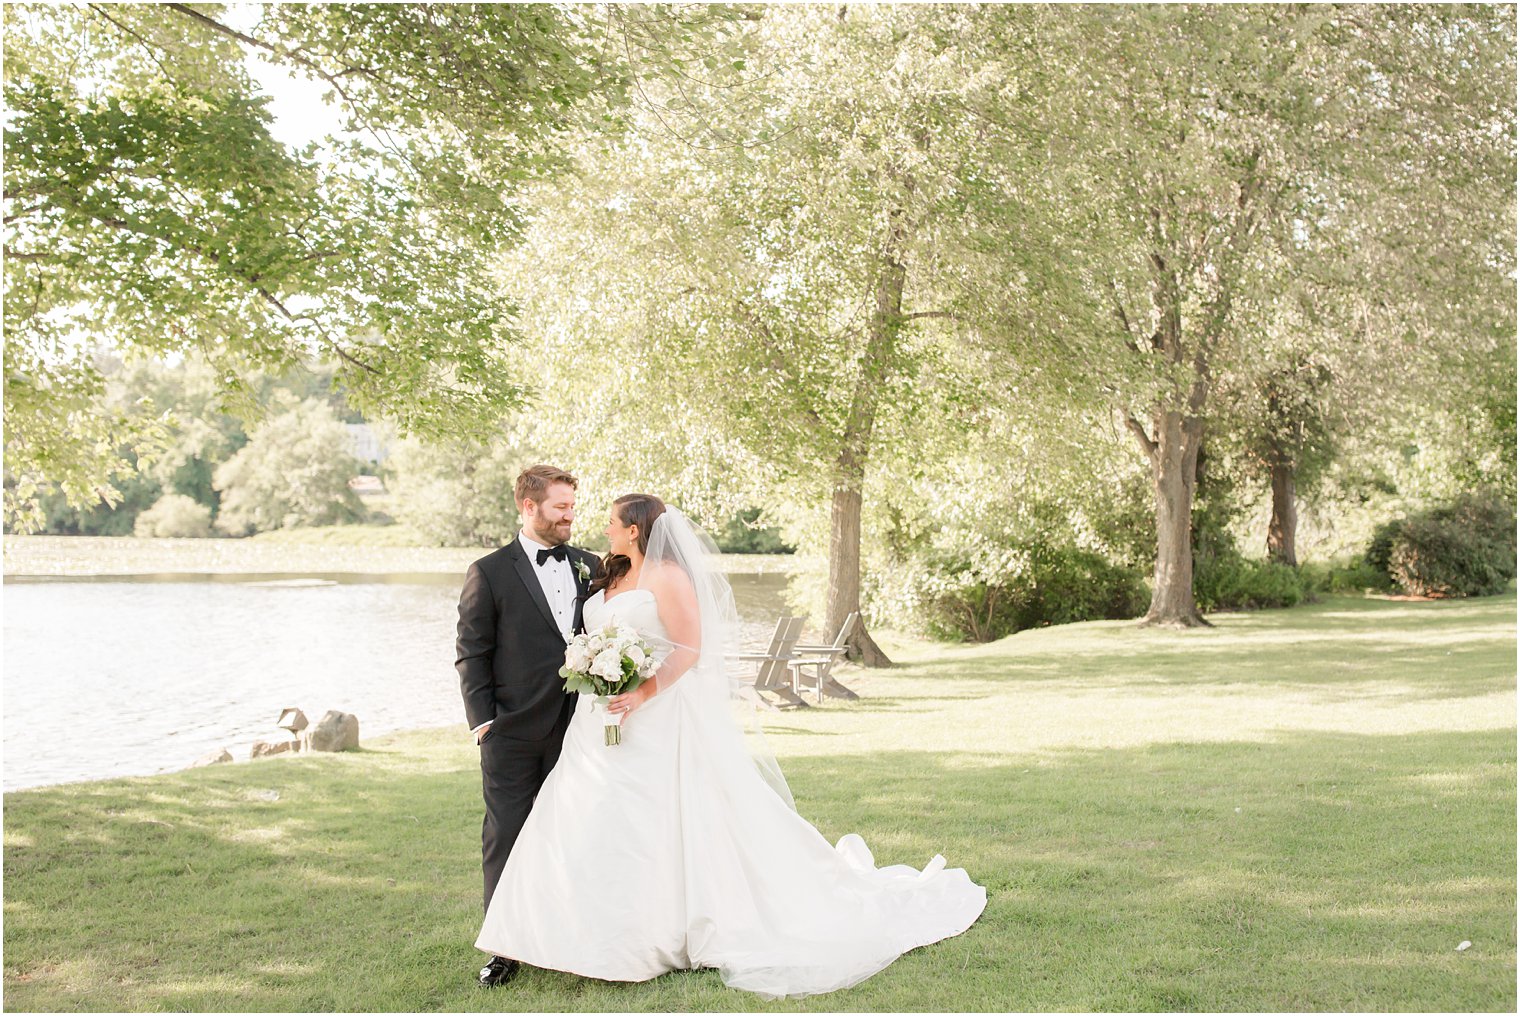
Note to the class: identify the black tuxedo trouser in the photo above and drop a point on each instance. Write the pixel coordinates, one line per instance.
(512, 771)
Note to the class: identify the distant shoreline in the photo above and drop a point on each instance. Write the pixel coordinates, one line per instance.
(127, 557)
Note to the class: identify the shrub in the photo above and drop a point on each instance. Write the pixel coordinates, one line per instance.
(976, 612)
(1229, 581)
(138, 491)
(1380, 548)
(1463, 548)
(1076, 585)
(1356, 576)
(1124, 524)
(1489, 515)
(1442, 557)
(174, 515)
(1054, 585)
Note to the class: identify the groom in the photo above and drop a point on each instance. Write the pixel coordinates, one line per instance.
(519, 607)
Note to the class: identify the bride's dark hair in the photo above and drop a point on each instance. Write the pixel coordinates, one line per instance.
(632, 510)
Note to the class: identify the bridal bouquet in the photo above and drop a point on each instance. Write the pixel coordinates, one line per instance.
(609, 661)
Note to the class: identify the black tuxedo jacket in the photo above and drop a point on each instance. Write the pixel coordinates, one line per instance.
(509, 649)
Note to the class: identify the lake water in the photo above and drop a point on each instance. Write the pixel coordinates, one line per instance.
(133, 675)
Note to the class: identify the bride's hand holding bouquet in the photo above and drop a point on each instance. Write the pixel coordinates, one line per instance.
(611, 663)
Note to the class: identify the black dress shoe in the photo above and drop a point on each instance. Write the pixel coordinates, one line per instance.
(498, 972)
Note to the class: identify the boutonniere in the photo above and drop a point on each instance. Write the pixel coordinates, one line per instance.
(582, 570)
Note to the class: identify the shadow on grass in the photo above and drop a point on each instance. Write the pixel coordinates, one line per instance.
(880, 703)
(1313, 872)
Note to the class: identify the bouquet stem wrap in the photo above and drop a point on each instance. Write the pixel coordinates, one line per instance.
(612, 729)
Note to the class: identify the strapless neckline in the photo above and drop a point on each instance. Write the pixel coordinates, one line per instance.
(641, 612)
(608, 599)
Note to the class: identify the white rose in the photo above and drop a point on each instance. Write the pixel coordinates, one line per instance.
(608, 665)
(636, 654)
(578, 658)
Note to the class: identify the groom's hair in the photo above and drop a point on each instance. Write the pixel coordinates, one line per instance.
(533, 483)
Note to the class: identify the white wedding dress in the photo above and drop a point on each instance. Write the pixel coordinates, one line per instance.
(670, 851)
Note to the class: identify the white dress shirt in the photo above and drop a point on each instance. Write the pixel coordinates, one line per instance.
(558, 582)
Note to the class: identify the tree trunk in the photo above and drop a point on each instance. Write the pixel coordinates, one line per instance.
(1178, 419)
(1282, 530)
(844, 575)
(850, 466)
(1284, 441)
(1174, 461)
(1173, 454)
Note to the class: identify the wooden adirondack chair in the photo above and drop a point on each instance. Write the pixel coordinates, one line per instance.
(773, 676)
(811, 665)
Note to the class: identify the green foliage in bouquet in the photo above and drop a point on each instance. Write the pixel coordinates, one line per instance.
(590, 684)
(635, 662)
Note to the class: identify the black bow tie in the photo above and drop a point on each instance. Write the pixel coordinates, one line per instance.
(558, 553)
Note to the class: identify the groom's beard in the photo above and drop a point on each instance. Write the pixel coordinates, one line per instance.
(551, 534)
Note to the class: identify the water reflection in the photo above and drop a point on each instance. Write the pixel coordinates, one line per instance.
(122, 675)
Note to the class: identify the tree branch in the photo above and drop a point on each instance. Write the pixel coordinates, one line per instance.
(776, 363)
(39, 206)
(1136, 342)
(1138, 429)
(283, 53)
(1246, 217)
(252, 281)
(100, 12)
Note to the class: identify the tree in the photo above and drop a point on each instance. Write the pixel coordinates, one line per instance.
(461, 494)
(775, 262)
(1213, 141)
(147, 204)
(294, 471)
(1400, 295)
(1293, 444)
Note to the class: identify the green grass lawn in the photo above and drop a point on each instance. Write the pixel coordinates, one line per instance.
(1300, 809)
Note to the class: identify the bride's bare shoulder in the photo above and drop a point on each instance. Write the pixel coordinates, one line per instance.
(663, 577)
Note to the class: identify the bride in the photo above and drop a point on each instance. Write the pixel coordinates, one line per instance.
(680, 847)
